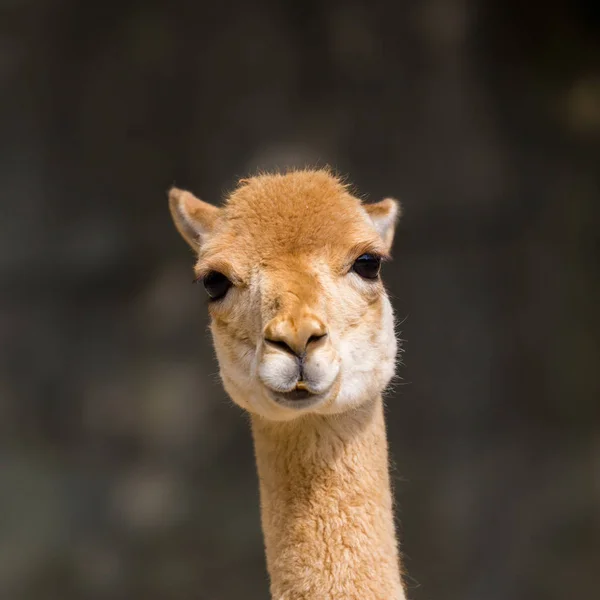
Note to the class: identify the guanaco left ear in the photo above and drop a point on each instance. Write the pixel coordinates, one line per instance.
(193, 218)
(384, 215)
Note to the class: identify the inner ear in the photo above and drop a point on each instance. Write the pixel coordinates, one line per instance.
(194, 219)
(384, 215)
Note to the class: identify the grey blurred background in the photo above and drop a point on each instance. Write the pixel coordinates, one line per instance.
(124, 471)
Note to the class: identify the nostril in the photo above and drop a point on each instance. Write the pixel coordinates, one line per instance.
(315, 338)
(281, 345)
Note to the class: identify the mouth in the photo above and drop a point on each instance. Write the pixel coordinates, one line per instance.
(297, 394)
(298, 398)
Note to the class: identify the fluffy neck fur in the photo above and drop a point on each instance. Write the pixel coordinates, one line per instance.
(327, 506)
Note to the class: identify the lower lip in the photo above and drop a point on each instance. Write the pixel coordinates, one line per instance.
(297, 395)
(298, 401)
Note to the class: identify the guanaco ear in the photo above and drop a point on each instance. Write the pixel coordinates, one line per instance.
(384, 215)
(193, 218)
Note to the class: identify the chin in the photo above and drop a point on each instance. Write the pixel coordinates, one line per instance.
(259, 400)
(286, 407)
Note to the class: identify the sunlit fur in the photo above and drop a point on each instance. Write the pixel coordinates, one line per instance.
(288, 244)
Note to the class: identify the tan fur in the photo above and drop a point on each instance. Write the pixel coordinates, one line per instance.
(327, 507)
(288, 243)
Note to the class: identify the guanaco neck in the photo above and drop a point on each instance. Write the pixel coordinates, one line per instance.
(326, 506)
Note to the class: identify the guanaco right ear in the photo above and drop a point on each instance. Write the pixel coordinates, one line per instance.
(193, 218)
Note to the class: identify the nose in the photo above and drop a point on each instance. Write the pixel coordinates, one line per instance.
(294, 333)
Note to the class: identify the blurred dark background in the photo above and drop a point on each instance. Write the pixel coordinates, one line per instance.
(124, 471)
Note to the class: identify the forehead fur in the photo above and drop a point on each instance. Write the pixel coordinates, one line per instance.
(274, 216)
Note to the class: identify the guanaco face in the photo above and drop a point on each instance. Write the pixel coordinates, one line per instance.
(299, 316)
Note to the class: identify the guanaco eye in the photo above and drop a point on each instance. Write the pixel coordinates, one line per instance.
(216, 285)
(367, 266)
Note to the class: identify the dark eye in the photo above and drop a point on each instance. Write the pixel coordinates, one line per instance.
(216, 285)
(367, 266)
